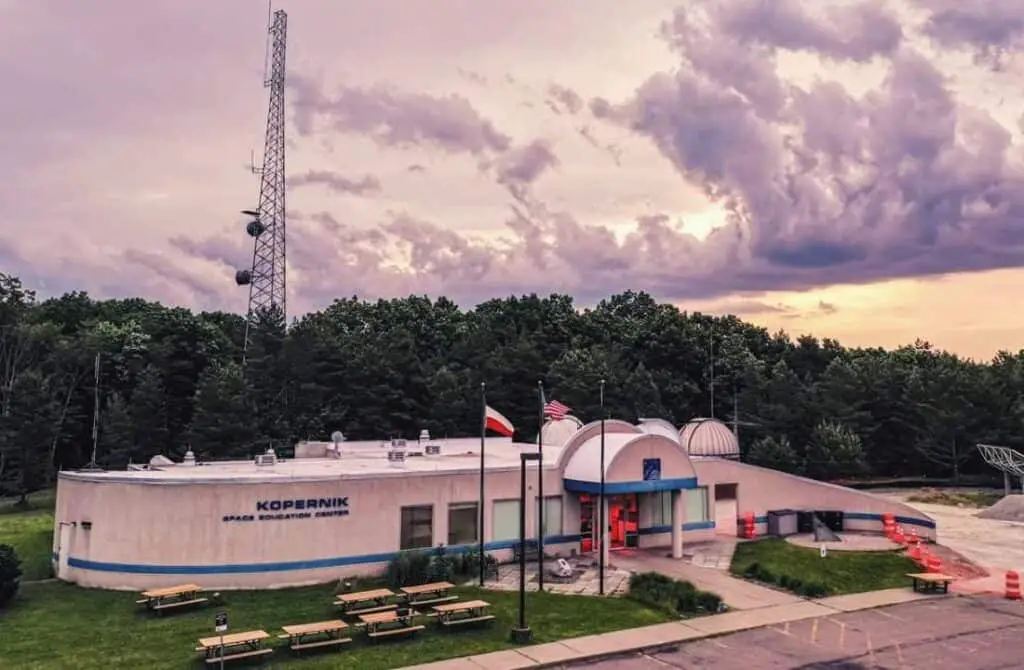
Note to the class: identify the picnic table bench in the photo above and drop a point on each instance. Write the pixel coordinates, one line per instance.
(234, 646)
(434, 593)
(457, 614)
(365, 602)
(393, 622)
(315, 635)
(930, 582)
(182, 595)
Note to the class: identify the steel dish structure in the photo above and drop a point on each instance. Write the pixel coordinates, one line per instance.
(1006, 460)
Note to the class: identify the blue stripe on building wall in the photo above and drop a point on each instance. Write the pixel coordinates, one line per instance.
(287, 566)
(621, 488)
(693, 526)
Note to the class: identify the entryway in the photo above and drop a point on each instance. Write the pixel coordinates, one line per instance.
(726, 509)
(623, 521)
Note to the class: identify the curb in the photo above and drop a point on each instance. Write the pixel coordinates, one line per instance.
(673, 645)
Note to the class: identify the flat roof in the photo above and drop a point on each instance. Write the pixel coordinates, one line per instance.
(358, 460)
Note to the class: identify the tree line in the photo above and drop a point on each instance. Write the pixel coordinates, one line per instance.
(170, 379)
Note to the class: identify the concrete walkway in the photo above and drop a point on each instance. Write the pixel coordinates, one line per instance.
(591, 647)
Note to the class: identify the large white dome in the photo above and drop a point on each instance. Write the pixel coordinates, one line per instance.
(659, 427)
(557, 433)
(709, 437)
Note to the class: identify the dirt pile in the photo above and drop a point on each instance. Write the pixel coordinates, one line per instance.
(1010, 508)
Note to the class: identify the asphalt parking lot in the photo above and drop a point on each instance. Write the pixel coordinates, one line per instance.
(966, 633)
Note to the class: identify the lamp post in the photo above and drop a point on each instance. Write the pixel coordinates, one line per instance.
(522, 634)
(602, 521)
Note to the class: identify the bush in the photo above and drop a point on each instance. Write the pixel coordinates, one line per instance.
(809, 588)
(10, 574)
(467, 564)
(671, 595)
(409, 568)
(441, 567)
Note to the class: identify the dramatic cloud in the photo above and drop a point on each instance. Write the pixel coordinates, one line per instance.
(335, 182)
(992, 29)
(396, 118)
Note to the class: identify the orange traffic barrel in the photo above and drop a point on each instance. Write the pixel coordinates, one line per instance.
(1013, 585)
(934, 564)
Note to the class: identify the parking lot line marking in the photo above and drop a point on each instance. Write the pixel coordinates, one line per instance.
(814, 632)
(899, 654)
(871, 649)
(891, 616)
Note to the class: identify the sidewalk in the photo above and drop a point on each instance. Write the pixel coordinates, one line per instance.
(591, 647)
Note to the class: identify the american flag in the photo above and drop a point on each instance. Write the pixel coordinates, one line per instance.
(555, 410)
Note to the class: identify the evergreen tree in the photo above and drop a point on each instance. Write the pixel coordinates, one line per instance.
(223, 425)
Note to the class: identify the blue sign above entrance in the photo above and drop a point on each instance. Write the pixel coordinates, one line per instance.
(296, 508)
(652, 469)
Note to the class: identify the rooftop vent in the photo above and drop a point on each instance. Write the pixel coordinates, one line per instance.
(424, 435)
(190, 459)
(267, 459)
(432, 449)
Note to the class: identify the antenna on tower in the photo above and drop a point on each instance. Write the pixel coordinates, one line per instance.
(266, 225)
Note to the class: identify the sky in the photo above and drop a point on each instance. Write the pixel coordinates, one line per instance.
(852, 169)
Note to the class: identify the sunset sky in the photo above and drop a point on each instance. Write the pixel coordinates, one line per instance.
(848, 168)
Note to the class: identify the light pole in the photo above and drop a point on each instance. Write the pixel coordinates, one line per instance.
(522, 634)
(600, 503)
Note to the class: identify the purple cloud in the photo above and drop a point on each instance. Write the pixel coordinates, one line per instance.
(365, 185)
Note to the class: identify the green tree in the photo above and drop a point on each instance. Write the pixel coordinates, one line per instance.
(27, 431)
(834, 451)
(119, 442)
(775, 453)
(224, 424)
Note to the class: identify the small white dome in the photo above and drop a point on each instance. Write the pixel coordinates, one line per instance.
(557, 433)
(659, 427)
(709, 437)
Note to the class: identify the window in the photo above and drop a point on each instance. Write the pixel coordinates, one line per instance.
(463, 523)
(661, 508)
(417, 527)
(505, 524)
(696, 504)
(552, 515)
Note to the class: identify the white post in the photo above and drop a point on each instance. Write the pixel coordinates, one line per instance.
(677, 524)
(606, 536)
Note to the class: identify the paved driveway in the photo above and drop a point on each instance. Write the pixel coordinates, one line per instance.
(966, 633)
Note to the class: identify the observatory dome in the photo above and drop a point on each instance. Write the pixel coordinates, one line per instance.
(659, 427)
(557, 433)
(709, 437)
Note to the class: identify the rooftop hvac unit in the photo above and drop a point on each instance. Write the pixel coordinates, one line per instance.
(424, 435)
(396, 457)
(432, 450)
(267, 459)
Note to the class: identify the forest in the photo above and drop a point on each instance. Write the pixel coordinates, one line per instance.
(170, 379)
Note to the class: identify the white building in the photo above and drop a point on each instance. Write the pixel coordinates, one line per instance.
(345, 509)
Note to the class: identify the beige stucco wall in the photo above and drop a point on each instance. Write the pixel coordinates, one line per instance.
(760, 490)
(182, 525)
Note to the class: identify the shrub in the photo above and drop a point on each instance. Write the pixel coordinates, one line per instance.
(807, 588)
(467, 564)
(10, 574)
(671, 595)
(441, 567)
(408, 568)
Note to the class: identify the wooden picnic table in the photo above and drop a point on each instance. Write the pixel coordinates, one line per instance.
(470, 611)
(434, 593)
(375, 600)
(930, 582)
(170, 597)
(392, 622)
(234, 646)
(324, 634)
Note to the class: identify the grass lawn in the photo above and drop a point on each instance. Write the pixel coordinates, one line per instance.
(958, 498)
(55, 625)
(840, 572)
(30, 531)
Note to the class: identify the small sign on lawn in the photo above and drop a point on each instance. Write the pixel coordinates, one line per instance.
(824, 551)
(220, 622)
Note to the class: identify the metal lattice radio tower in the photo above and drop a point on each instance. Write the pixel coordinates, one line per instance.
(266, 279)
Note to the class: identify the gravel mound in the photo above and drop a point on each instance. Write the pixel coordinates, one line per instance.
(1010, 508)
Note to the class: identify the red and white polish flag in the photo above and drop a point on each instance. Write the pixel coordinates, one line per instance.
(497, 422)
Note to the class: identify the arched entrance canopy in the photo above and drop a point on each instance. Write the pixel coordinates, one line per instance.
(633, 463)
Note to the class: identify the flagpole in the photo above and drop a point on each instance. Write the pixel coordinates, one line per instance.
(540, 489)
(483, 434)
(601, 520)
